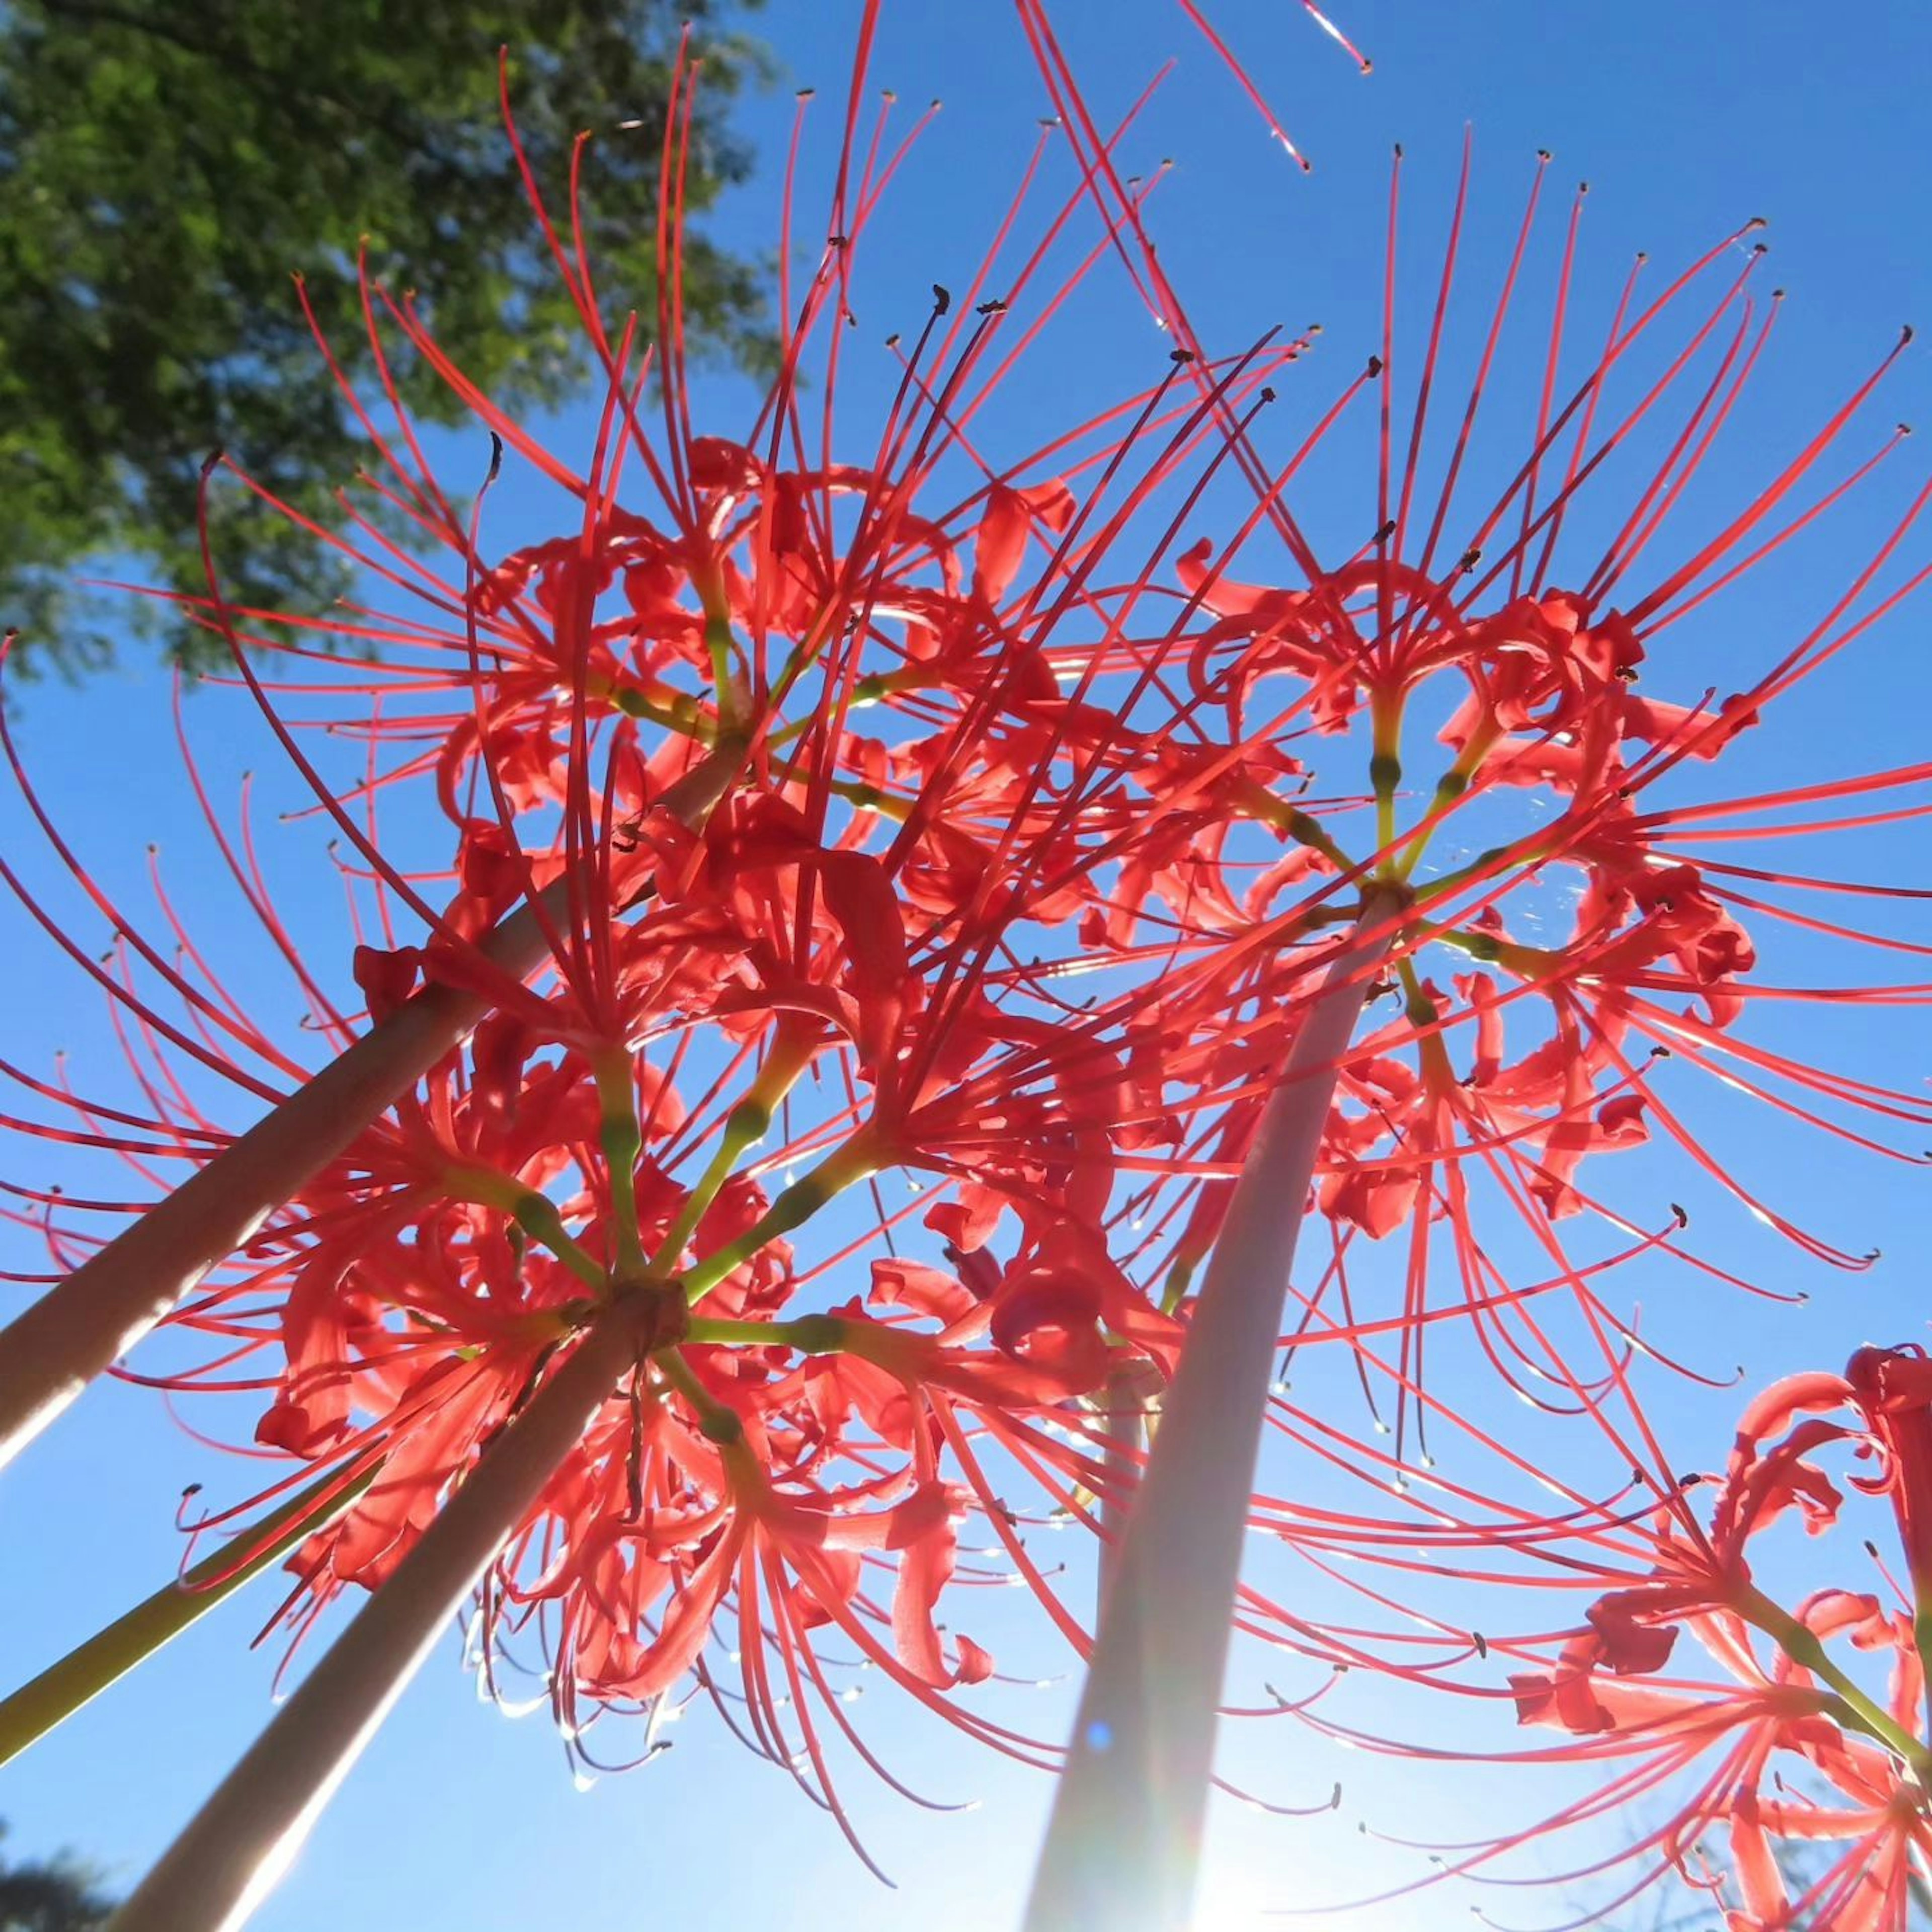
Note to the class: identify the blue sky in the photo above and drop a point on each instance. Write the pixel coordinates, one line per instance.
(1686, 120)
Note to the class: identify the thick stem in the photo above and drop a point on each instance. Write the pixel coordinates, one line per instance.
(238, 1846)
(1123, 1427)
(81, 1328)
(85, 1672)
(1124, 1839)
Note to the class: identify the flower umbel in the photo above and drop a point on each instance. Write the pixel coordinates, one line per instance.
(898, 995)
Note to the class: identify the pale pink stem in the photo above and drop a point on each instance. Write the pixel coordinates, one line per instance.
(77, 1330)
(237, 1847)
(1128, 1394)
(1124, 1839)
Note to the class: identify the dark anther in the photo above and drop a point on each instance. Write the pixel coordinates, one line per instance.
(1267, 395)
(995, 307)
(1180, 355)
(1683, 1218)
(1482, 1643)
(836, 242)
(1375, 365)
(1471, 558)
(496, 459)
(209, 461)
(1384, 533)
(942, 298)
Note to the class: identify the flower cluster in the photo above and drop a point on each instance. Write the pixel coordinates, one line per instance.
(1798, 1740)
(878, 889)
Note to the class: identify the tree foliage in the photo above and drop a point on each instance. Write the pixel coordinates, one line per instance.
(55, 1896)
(165, 168)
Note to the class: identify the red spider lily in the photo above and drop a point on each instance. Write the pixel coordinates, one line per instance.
(1787, 1748)
(1537, 654)
(546, 1305)
(114, 1296)
(1659, 955)
(460, 1291)
(751, 544)
(762, 566)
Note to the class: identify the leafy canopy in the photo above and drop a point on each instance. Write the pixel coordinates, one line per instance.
(165, 168)
(56, 1895)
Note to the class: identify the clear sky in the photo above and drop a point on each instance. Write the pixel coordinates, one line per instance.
(1686, 120)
